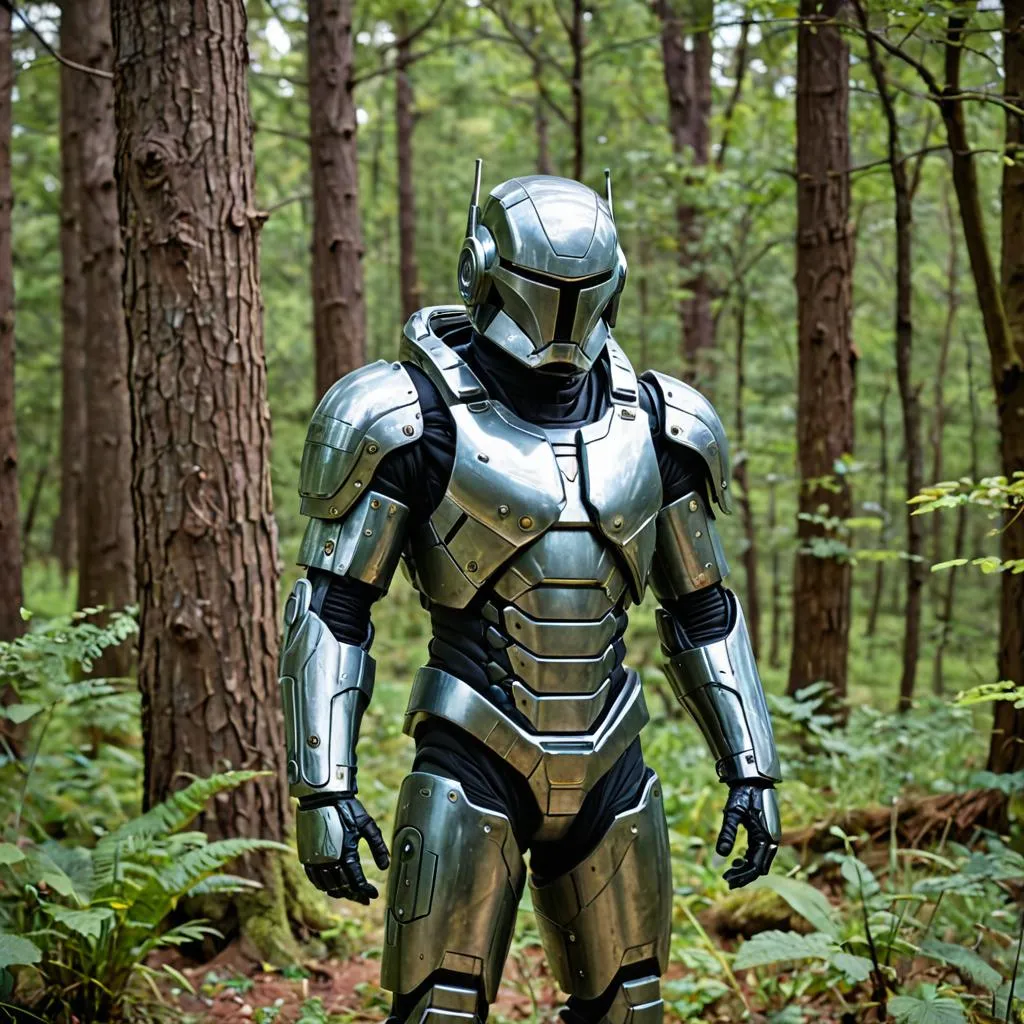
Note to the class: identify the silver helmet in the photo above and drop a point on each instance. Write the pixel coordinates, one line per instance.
(541, 269)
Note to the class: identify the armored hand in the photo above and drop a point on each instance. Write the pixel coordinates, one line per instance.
(754, 807)
(325, 687)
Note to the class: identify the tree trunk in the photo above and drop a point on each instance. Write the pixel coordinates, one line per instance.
(752, 605)
(686, 57)
(72, 403)
(1006, 753)
(408, 269)
(821, 585)
(106, 543)
(541, 125)
(207, 558)
(878, 589)
(909, 395)
(339, 308)
(577, 42)
(775, 650)
(11, 623)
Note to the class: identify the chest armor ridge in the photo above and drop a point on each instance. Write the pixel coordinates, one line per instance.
(555, 527)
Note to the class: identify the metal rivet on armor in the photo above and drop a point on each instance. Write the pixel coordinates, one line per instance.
(471, 567)
(668, 394)
(401, 912)
(407, 847)
(673, 430)
(572, 936)
(628, 414)
(396, 366)
(617, 523)
(503, 510)
(314, 740)
(375, 503)
(487, 829)
(693, 505)
(333, 510)
(712, 448)
(725, 484)
(697, 533)
(358, 484)
(707, 565)
(483, 456)
(392, 509)
(656, 791)
(452, 795)
(581, 974)
(633, 829)
(526, 522)
(424, 791)
(372, 449)
(367, 533)
(329, 547)
(408, 430)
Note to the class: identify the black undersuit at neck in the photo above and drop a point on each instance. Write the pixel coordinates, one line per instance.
(544, 398)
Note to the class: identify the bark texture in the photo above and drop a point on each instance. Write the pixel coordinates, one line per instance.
(106, 543)
(72, 300)
(207, 556)
(686, 49)
(11, 624)
(821, 586)
(1007, 749)
(339, 307)
(405, 124)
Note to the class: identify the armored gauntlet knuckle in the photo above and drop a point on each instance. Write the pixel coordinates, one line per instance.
(325, 686)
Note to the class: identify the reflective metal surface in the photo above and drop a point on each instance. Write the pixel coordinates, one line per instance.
(689, 553)
(614, 908)
(560, 768)
(319, 834)
(445, 1004)
(453, 887)
(689, 419)
(366, 544)
(365, 415)
(720, 687)
(325, 687)
(637, 1002)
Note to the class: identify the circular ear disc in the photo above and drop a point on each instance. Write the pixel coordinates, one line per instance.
(474, 261)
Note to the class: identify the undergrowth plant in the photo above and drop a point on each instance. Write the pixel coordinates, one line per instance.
(78, 919)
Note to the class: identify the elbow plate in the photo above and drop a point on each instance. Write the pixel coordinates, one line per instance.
(719, 685)
(325, 688)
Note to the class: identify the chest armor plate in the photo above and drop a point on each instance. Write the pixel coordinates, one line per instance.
(554, 528)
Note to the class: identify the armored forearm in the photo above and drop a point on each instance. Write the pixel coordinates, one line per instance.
(325, 688)
(717, 682)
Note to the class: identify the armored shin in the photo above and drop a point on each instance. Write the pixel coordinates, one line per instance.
(719, 685)
(325, 687)
(453, 889)
(613, 910)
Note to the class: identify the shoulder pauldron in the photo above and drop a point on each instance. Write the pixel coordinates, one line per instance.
(690, 420)
(364, 416)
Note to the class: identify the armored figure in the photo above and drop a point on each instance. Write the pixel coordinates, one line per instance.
(533, 487)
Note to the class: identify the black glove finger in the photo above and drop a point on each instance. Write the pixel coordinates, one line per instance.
(744, 870)
(731, 821)
(354, 878)
(375, 841)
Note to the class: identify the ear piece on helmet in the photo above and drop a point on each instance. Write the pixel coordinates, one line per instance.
(478, 249)
(611, 311)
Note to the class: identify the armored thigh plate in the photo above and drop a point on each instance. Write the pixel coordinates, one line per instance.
(613, 909)
(453, 889)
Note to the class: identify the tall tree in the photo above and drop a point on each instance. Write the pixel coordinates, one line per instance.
(1007, 749)
(207, 556)
(106, 540)
(72, 298)
(913, 454)
(821, 585)
(405, 123)
(686, 49)
(339, 306)
(11, 624)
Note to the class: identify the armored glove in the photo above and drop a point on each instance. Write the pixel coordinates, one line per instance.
(756, 808)
(328, 833)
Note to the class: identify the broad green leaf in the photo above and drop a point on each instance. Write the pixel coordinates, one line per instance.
(775, 947)
(16, 950)
(952, 563)
(810, 903)
(968, 964)
(931, 1009)
(855, 968)
(88, 923)
(10, 854)
(19, 713)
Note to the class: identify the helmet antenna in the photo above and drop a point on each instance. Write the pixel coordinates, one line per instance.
(608, 191)
(474, 202)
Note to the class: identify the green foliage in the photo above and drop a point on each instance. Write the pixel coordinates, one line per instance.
(78, 920)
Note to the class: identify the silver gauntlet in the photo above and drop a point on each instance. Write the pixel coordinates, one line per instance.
(719, 685)
(325, 687)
